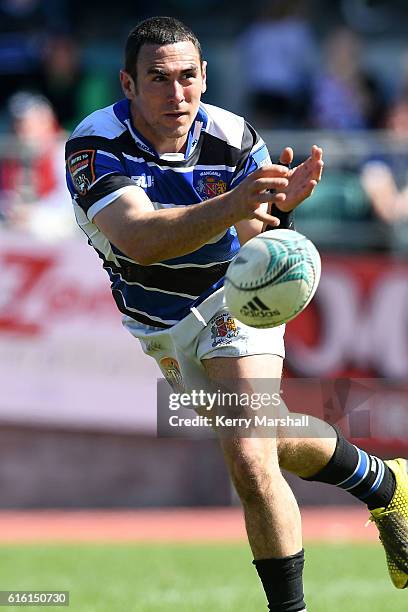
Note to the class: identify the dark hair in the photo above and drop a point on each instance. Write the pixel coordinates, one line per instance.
(156, 31)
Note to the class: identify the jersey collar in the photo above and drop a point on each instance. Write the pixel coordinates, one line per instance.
(122, 112)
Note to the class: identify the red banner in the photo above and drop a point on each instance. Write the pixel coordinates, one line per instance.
(357, 324)
(65, 358)
(357, 327)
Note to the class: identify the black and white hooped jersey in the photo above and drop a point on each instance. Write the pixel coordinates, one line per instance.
(106, 156)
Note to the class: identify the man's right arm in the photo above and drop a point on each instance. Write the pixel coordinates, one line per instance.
(149, 236)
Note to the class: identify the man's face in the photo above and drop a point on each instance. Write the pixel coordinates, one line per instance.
(166, 96)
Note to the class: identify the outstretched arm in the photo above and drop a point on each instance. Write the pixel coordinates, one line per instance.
(149, 236)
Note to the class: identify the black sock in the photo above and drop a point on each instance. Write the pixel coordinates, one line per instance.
(282, 580)
(365, 476)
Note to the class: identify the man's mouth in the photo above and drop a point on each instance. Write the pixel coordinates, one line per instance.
(175, 114)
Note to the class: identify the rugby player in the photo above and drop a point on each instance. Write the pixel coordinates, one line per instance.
(167, 188)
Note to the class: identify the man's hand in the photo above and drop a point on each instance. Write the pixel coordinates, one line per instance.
(302, 179)
(265, 185)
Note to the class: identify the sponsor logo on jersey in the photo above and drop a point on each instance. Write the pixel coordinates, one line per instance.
(143, 146)
(223, 329)
(211, 184)
(138, 141)
(81, 166)
(172, 373)
(257, 309)
(143, 180)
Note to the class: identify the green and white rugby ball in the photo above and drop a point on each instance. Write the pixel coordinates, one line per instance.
(272, 278)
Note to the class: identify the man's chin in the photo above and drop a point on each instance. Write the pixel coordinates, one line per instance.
(179, 132)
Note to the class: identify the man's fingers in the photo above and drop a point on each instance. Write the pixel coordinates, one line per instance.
(286, 156)
(268, 196)
(317, 153)
(262, 184)
(261, 213)
(265, 218)
(275, 170)
(279, 197)
(317, 170)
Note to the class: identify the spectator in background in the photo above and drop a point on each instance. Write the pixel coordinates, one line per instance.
(24, 28)
(278, 57)
(385, 180)
(32, 178)
(61, 77)
(345, 96)
(72, 92)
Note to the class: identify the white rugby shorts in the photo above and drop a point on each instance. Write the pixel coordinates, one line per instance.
(208, 331)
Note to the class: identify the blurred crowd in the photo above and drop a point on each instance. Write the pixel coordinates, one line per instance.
(353, 79)
(295, 81)
(297, 75)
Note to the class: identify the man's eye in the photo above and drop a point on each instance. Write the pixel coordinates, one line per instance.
(189, 75)
(159, 77)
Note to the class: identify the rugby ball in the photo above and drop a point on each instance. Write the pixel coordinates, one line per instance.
(272, 278)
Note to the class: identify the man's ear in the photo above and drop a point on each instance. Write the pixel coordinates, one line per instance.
(204, 77)
(128, 84)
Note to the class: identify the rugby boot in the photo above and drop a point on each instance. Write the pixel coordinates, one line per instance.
(392, 524)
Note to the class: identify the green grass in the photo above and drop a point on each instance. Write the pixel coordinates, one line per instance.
(189, 578)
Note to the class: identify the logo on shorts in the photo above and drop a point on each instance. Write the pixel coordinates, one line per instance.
(256, 309)
(81, 166)
(223, 329)
(151, 347)
(211, 185)
(172, 373)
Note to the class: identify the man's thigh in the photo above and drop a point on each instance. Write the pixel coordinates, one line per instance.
(250, 377)
(249, 367)
(256, 378)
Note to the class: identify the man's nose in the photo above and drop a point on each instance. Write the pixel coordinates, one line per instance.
(176, 92)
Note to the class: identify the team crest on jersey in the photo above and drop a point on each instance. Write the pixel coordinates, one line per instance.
(81, 166)
(172, 373)
(211, 185)
(223, 329)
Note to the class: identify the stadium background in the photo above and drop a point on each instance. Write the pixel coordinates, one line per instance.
(79, 456)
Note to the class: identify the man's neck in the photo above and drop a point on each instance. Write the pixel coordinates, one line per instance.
(172, 146)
